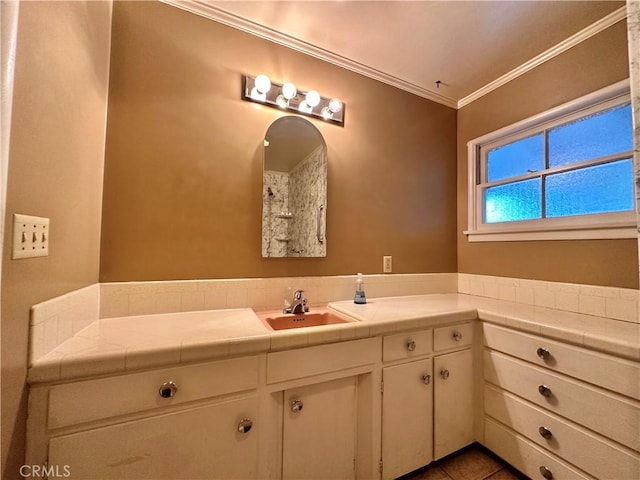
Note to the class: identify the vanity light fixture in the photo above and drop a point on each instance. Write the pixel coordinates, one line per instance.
(286, 96)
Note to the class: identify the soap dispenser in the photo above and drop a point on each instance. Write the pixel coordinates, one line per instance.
(360, 297)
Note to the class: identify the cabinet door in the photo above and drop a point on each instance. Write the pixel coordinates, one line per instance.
(407, 412)
(319, 437)
(200, 443)
(453, 402)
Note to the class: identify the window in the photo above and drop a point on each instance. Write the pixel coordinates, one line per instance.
(567, 173)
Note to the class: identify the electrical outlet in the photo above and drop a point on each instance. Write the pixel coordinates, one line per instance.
(30, 236)
(387, 265)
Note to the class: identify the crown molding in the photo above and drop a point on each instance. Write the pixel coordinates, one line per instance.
(588, 32)
(202, 8)
(219, 15)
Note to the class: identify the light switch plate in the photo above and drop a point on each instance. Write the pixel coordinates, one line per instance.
(30, 236)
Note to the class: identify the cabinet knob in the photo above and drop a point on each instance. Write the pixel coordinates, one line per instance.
(168, 389)
(444, 373)
(296, 406)
(457, 336)
(544, 391)
(546, 473)
(411, 345)
(543, 353)
(545, 432)
(426, 379)
(245, 425)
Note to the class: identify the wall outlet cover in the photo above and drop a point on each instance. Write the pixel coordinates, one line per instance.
(30, 236)
(387, 264)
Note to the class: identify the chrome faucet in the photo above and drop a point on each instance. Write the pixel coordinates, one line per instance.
(298, 304)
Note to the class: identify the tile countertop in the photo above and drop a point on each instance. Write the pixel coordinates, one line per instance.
(118, 345)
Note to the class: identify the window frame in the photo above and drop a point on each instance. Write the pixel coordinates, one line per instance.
(591, 226)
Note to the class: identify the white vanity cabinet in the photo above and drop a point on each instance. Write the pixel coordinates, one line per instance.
(208, 442)
(407, 403)
(319, 431)
(453, 389)
(194, 422)
(427, 401)
(326, 396)
(573, 412)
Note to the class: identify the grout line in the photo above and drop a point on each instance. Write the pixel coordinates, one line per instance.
(493, 473)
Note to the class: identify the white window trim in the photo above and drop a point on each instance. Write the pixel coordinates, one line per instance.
(598, 226)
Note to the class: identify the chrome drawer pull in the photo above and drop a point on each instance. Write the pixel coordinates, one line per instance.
(544, 391)
(426, 379)
(411, 345)
(168, 389)
(543, 353)
(546, 473)
(296, 406)
(545, 432)
(245, 425)
(457, 336)
(444, 374)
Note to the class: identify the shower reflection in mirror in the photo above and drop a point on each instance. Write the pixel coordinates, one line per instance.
(294, 190)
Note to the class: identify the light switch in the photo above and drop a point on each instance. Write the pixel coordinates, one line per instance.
(30, 236)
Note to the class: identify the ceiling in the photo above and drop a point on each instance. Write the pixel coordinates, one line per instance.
(468, 46)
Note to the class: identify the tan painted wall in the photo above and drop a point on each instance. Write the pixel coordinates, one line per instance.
(55, 170)
(184, 160)
(595, 63)
(182, 195)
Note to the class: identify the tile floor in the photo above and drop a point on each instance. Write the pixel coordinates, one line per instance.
(471, 463)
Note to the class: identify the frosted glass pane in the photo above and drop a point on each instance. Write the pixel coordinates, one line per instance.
(590, 137)
(517, 158)
(600, 189)
(514, 201)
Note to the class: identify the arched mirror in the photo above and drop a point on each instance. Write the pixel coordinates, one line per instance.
(294, 190)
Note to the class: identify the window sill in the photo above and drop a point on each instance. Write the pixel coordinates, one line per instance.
(513, 235)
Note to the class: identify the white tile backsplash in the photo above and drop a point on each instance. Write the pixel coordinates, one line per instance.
(622, 309)
(54, 321)
(140, 298)
(592, 305)
(567, 301)
(611, 302)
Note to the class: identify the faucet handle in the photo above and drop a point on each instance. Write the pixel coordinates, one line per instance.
(298, 295)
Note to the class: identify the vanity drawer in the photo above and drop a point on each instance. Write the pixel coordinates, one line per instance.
(306, 362)
(612, 415)
(453, 336)
(404, 346)
(590, 452)
(525, 455)
(90, 400)
(622, 376)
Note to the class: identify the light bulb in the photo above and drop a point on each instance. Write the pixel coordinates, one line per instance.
(335, 105)
(326, 113)
(262, 83)
(304, 107)
(289, 90)
(256, 95)
(313, 98)
(282, 102)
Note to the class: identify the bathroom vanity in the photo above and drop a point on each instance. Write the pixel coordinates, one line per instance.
(405, 381)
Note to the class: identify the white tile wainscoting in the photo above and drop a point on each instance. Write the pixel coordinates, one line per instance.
(55, 321)
(610, 302)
